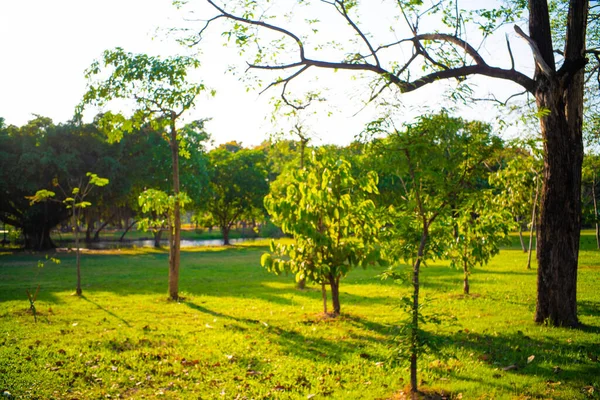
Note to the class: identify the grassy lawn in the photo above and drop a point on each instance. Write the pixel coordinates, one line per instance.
(243, 333)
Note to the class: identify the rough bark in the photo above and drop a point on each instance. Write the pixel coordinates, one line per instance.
(558, 231)
(175, 231)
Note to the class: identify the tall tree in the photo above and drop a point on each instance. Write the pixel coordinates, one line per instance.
(162, 94)
(446, 53)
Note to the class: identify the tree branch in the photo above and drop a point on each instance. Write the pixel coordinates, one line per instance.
(537, 55)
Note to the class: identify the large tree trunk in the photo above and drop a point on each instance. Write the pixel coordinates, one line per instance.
(225, 231)
(157, 236)
(561, 93)
(38, 238)
(175, 230)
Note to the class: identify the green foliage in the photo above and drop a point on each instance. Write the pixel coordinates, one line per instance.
(161, 207)
(328, 213)
(481, 226)
(238, 184)
(160, 88)
(430, 170)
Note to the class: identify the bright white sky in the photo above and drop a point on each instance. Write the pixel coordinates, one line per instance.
(46, 46)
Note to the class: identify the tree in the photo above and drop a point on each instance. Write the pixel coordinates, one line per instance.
(162, 94)
(519, 182)
(34, 155)
(334, 224)
(437, 162)
(591, 168)
(447, 54)
(481, 225)
(74, 198)
(238, 184)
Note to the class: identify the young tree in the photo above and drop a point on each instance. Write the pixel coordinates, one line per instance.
(74, 199)
(162, 94)
(334, 223)
(481, 225)
(294, 47)
(437, 161)
(519, 182)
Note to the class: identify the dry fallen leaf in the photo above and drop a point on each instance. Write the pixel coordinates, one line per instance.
(530, 359)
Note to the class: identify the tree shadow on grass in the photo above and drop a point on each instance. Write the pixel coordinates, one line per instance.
(290, 341)
(574, 363)
(112, 314)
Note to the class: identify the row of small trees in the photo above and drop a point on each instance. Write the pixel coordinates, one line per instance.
(440, 192)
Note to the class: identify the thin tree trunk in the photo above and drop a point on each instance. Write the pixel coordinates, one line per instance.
(414, 331)
(334, 282)
(533, 224)
(521, 236)
(77, 252)
(127, 230)
(595, 209)
(466, 278)
(303, 141)
(175, 230)
(324, 295)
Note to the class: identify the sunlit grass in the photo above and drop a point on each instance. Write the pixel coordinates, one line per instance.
(240, 332)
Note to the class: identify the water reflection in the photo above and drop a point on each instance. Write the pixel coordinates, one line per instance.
(128, 244)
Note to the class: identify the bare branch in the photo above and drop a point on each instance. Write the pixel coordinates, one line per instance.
(470, 50)
(494, 99)
(537, 55)
(344, 12)
(512, 59)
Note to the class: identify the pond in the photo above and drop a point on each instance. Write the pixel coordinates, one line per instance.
(128, 244)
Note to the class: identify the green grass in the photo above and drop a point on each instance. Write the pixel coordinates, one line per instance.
(243, 333)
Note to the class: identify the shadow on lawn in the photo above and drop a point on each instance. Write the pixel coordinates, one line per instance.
(574, 363)
(83, 297)
(298, 345)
